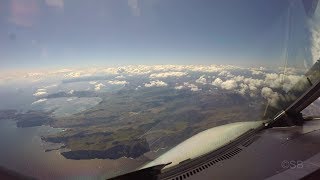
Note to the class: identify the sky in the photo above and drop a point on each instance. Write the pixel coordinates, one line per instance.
(59, 33)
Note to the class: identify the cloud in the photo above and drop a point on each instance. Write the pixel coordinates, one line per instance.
(93, 82)
(249, 85)
(255, 72)
(73, 74)
(243, 89)
(289, 81)
(50, 86)
(41, 89)
(39, 101)
(217, 82)
(253, 82)
(110, 70)
(71, 99)
(188, 85)
(239, 81)
(179, 87)
(120, 77)
(209, 68)
(285, 82)
(156, 84)
(116, 82)
(229, 85)
(270, 95)
(239, 78)
(272, 76)
(224, 73)
(201, 80)
(71, 91)
(192, 87)
(81, 73)
(98, 86)
(131, 70)
(253, 85)
(167, 74)
(36, 75)
(134, 6)
(314, 26)
(40, 92)
(156, 71)
(267, 92)
(273, 80)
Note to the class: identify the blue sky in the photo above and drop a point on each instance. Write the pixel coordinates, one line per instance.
(58, 33)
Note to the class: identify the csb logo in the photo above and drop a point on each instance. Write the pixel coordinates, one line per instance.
(293, 164)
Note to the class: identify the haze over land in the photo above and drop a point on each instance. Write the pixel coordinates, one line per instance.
(142, 108)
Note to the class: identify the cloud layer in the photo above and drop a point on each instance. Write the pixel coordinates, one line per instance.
(265, 82)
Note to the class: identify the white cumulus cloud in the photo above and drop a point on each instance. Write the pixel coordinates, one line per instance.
(255, 72)
(167, 74)
(120, 77)
(116, 82)
(179, 87)
(73, 75)
(217, 82)
(270, 95)
(156, 84)
(225, 73)
(243, 89)
(192, 87)
(98, 86)
(285, 82)
(229, 84)
(201, 80)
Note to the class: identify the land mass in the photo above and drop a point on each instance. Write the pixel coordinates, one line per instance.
(129, 123)
(132, 149)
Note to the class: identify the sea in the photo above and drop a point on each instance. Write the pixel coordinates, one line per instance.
(23, 151)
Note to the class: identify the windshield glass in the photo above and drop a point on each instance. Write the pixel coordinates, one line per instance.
(95, 89)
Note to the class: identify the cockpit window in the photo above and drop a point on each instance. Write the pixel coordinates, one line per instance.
(95, 89)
